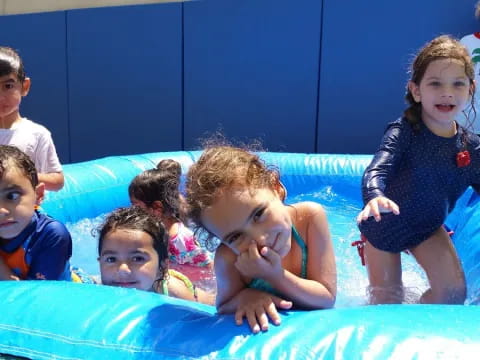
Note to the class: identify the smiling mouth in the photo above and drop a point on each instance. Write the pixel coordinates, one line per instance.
(7, 223)
(127, 284)
(275, 242)
(445, 107)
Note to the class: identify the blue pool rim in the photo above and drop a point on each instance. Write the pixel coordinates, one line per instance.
(61, 320)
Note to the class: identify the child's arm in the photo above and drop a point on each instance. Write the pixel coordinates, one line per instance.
(52, 181)
(229, 280)
(48, 163)
(178, 289)
(386, 160)
(318, 290)
(205, 297)
(382, 167)
(233, 296)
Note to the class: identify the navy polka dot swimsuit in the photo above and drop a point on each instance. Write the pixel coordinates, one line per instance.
(418, 171)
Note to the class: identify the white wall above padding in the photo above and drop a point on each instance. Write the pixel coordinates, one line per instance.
(8, 7)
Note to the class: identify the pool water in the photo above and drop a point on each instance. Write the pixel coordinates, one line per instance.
(341, 207)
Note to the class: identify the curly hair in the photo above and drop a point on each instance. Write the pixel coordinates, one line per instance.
(442, 47)
(136, 218)
(12, 157)
(160, 184)
(218, 169)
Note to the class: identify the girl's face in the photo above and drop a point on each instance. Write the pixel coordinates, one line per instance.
(17, 202)
(11, 92)
(444, 91)
(241, 215)
(128, 259)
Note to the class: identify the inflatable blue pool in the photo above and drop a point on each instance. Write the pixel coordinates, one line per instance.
(61, 320)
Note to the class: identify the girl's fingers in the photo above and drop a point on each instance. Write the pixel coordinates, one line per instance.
(262, 318)
(388, 204)
(270, 255)
(242, 259)
(252, 320)
(281, 303)
(259, 315)
(273, 313)
(375, 207)
(366, 213)
(239, 314)
(374, 210)
(395, 208)
(363, 215)
(253, 251)
(243, 256)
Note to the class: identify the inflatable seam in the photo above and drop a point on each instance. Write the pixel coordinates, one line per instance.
(20, 351)
(91, 343)
(66, 339)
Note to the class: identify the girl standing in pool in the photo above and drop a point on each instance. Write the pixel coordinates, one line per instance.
(271, 255)
(424, 163)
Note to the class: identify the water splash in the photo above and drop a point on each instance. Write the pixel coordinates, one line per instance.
(85, 244)
(341, 208)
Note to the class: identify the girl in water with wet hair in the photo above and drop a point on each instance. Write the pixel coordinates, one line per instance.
(271, 256)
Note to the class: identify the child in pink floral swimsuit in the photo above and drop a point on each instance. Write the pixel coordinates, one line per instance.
(184, 248)
(158, 191)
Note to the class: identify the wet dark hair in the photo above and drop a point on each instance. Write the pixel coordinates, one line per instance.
(11, 63)
(136, 218)
(11, 156)
(219, 168)
(160, 184)
(442, 47)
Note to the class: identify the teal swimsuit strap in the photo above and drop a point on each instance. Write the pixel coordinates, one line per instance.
(165, 287)
(303, 246)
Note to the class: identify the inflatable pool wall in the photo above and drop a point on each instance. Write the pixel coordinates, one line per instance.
(61, 320)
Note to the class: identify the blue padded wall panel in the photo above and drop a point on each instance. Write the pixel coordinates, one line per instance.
(40, 41)
(125, 77)
(251, 69)
(366, 51)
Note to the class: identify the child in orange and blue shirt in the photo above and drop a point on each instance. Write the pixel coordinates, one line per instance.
(33, 246)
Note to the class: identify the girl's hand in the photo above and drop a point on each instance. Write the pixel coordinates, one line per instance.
(258, 307)
(264, 264)
(376, 206)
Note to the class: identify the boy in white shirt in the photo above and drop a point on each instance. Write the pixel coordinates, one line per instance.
(32, 138)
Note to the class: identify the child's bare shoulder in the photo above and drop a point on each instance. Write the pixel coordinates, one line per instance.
(310, 218)
(308, 209)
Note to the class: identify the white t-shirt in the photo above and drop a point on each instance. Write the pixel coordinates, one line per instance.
(472, 43)
(34, 140)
